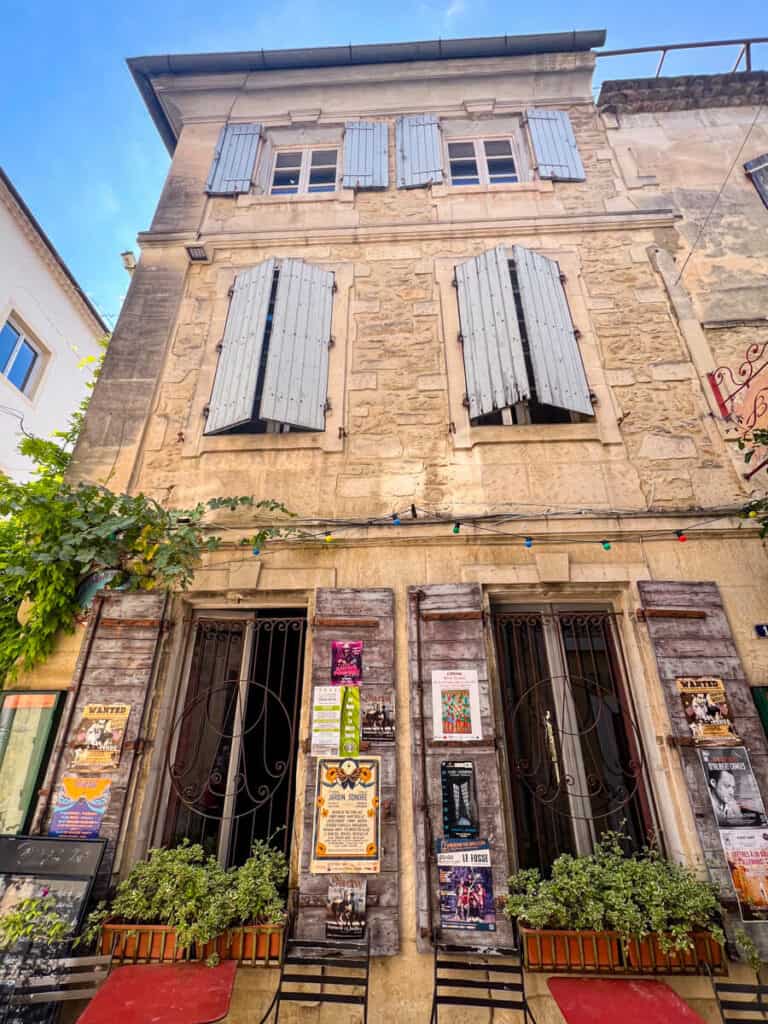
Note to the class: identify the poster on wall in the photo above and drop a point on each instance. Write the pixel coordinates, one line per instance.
(746, 851)
(732, 787)
(349, 736)
(346, 835)
(465, 885)
(377, 711)
(326, 721)
(346, 662)
(79, 807)
(456, 705)
(706, 709)
(345, 908)
(460, 819)
(99, 737)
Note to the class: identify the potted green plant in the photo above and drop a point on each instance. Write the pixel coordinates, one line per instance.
(31, 933)
(181, 904)
(608, 911)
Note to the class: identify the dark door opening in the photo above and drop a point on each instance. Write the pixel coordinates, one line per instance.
(232, 760)
(573, 745)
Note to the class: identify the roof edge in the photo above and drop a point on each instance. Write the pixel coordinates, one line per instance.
(52, 249)
(144, 68)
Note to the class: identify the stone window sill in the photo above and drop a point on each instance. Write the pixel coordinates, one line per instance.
(476, 190)
(526, 433)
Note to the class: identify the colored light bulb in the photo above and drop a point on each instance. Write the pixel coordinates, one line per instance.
(681, 536)
(528, 542)
(328, 538)
(395, 519)
(456, 527)
(606, 545)
(257, 551)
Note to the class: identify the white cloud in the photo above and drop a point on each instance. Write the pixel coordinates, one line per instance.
(454, 9)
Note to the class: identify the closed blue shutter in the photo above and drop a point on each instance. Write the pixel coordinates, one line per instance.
(296, 376)
(757, 169)
(419, 154)
(234, 160)
(558, 370)
(237, 372)
(494, 362)
(365, 154)
(554, 145)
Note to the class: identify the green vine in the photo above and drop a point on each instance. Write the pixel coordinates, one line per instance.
(757, 508)
(53, 534)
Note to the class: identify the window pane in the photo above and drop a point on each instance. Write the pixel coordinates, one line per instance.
(464, 172)
(456, 149)
(498, 147)
(502, 169)
(322, 176)
(323, 157)
(22, 366)
(288, 160)
(8, 338)
(25, 725)
(285, 179)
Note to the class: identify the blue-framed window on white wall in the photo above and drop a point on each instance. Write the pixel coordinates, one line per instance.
(19, 356)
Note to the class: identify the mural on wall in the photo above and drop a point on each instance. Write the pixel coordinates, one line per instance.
(347, 816)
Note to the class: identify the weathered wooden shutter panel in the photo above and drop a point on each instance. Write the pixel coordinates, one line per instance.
(757, 169)
(262, 179)
(234, 160)
(558, 369)
(296, 375)
(418, 149)
(494, 362)
(453, 640)
(237, 372)
(554, 145)
(375, 610)
(702, 647)
(366, 163)
(116, 665)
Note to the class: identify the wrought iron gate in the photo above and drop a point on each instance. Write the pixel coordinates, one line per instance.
(573, 744)
(232, 756)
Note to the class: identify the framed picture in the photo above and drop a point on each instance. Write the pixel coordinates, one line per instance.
(27, 721)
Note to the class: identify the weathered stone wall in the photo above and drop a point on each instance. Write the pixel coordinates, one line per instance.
(684, 92)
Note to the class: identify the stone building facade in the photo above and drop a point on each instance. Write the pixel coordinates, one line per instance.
(555, 550)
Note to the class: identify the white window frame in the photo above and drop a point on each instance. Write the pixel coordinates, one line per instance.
(24, 338)
(304, 171)
(481, 161)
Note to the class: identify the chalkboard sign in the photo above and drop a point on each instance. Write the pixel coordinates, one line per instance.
(54, 858)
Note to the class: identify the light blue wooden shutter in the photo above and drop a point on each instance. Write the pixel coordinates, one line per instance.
(419, 154)
(365, 154)
(234, 160)
(237, 372)
(262, 179)
(493, 349)
(558, 370)
(296, 377)
(757, 169)
(554, 145)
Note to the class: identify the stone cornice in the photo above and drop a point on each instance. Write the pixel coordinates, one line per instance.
(32, 232)
(408, 231)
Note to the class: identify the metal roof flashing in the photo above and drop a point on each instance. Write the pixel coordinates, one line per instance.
(144, 69)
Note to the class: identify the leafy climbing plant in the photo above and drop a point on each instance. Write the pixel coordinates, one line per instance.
(753, 445)
(53, 533)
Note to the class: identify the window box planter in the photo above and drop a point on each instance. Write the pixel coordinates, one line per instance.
(583, 952)
(156, 943)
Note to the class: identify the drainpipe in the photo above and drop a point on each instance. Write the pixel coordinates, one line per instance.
(428, 833)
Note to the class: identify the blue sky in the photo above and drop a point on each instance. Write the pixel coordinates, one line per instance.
(78, 144)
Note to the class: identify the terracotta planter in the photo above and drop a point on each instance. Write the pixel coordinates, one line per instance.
(554, 950)
(646, 955)
(156, 943)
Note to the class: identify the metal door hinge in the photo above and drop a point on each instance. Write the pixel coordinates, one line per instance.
(342, 433)
(327, 407)
(465, 401)
(460, 338)
(206, 411)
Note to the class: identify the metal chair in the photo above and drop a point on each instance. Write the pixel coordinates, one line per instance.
(502, 967)
(303, 977)
(749, 1002)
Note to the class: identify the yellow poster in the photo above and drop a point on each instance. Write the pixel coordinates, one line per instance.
(347, 819)
(705, 705)
(99, 737)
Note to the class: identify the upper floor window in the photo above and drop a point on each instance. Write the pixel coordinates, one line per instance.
(521, 354)
(304, 171)
(272, 373)
(482, 162)
(18, 356)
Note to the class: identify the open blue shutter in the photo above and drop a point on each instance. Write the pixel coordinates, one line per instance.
(757, 169)
(296, 376)
(234, 160)
(237, 372)
(554, 145)
(558, 370)
(493, 349)
(419, 154)
(365, 154)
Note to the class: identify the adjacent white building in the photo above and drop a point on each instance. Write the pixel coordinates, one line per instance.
(47, 327)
